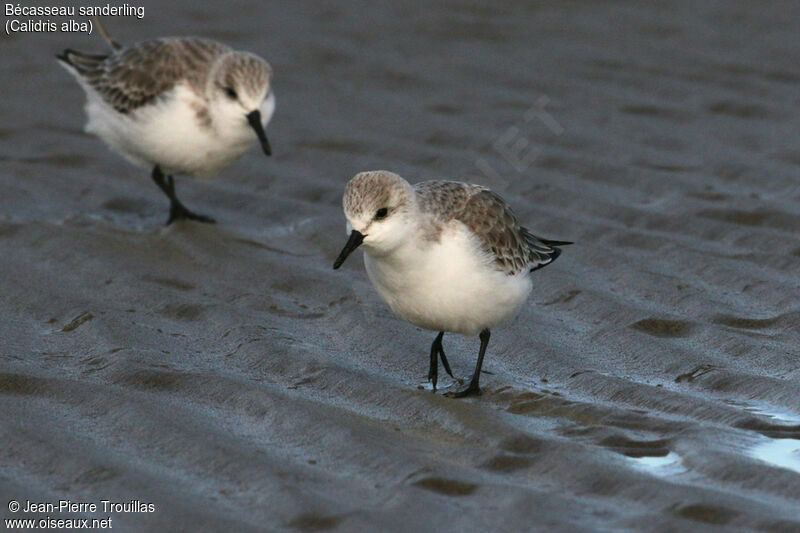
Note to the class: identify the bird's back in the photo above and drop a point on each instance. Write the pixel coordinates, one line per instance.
(491, 220)
(134, 76)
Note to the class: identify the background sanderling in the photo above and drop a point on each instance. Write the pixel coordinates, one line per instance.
(444, 255)
(176, 106)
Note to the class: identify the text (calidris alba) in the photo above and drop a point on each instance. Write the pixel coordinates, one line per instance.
(176, 106)
(444, 255)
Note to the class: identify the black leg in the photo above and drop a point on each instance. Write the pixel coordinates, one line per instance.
(177, 211)
(436, 352)
(444, 359)
(161, 181)
(433, 369)
(473, 388)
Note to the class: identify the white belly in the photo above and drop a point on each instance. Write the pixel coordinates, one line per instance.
(448, 285)
(168, 134)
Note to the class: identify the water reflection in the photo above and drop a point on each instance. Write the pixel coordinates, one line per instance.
(784, 453)
(776, 413)
(667, 465)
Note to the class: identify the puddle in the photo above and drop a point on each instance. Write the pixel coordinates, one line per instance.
(444, 385)
(776, 413)
(667, 465)
(784, 453)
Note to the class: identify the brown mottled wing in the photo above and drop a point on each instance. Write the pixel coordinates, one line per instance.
(514, 248)
(135, 76)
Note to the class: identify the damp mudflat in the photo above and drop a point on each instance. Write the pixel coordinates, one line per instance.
(229, 376)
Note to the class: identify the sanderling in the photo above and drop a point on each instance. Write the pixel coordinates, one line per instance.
(176, 105)
(444, 255)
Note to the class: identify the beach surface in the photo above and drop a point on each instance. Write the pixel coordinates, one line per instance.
(227, 375)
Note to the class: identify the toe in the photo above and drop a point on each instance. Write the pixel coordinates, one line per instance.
(469, 391)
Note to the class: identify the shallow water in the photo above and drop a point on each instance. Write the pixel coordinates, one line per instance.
(228, 375)
(784, 453)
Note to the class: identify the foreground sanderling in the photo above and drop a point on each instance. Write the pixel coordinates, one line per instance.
(176, 105)
(445, 256)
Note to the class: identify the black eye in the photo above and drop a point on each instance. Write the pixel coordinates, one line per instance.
(231, 93)
(381, 213)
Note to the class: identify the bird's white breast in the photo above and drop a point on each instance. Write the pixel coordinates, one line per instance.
(170, 132)
(447, 284)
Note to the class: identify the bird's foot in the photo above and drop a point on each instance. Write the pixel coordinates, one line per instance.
(472, 390)
(180, 212)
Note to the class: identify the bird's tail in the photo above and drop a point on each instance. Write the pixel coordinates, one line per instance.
(82, 63)
(544, 251)
(555, 243)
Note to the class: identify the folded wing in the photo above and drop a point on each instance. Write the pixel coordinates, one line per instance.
(489, 217)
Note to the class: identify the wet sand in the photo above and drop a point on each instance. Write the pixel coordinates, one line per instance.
(226, 374)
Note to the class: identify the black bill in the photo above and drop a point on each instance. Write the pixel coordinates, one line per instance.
(353, 242)
(254, 118)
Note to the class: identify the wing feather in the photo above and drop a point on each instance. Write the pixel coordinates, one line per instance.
(137, 75)
(490, 218)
